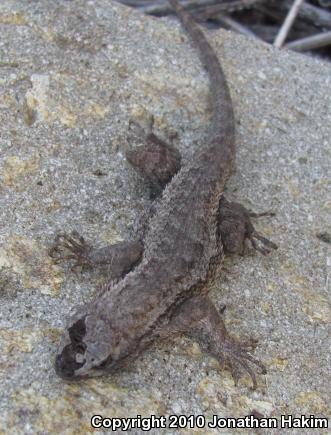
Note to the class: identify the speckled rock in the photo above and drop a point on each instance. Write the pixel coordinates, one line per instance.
(73, 75)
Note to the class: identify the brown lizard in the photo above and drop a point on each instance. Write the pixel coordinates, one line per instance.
(159, 287)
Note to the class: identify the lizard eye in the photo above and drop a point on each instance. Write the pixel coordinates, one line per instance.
(80, 348)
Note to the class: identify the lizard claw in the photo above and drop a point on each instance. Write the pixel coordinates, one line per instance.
(236, 356)
(269, 213)
(266, 245)
(249, 345)
(70, 247)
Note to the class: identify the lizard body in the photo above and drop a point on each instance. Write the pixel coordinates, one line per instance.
(166, 292)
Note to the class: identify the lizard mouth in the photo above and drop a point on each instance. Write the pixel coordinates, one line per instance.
(71, 358)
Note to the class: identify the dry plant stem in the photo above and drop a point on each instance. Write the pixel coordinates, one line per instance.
(217, 7)
(311, 42)
(283, 32)
(320, 17)
(234, 25)
(162, 7)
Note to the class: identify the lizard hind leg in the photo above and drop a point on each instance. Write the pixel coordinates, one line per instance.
(199, 319)
(156, 160)
(235, 227)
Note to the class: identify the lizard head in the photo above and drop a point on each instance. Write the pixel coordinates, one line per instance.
(88, 348)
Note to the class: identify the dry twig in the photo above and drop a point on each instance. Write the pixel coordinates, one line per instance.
(283, 32)
(234, 25)
(311, 42)
(320, 17)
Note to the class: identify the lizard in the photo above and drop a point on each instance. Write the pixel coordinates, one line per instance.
(158, 284)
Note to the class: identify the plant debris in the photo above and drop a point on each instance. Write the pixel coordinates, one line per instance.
(299, 25)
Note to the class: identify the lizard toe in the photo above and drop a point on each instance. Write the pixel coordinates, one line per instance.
(70, 247)
(236, 356)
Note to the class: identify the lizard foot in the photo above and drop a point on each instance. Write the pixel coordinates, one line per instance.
(236, 356)
(118, 258)
(71, 247)
(198, 318)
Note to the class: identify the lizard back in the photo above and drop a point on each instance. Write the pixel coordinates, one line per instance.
(181, 247)
(181, 244)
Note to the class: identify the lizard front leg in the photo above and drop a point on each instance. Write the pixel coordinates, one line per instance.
(158, 162)
(199, 319)
(120, 258)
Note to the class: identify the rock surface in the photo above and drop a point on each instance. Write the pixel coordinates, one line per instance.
(73, 74)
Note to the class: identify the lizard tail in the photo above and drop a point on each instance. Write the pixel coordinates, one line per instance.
(223, 116)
